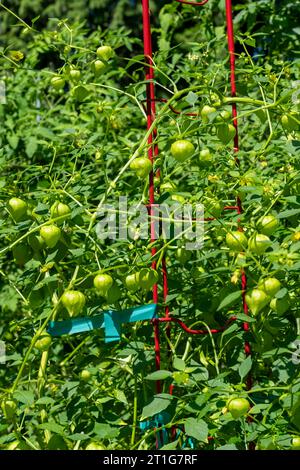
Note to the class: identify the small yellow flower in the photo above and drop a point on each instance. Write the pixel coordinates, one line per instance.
(16, 55)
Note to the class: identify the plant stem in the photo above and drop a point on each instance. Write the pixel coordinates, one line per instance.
(135, 404)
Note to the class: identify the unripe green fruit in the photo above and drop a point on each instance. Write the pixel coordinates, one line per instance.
(236, 241)
(57, 82)
(271, 286)
(50, 234)
(257, 299)
(238, 407)
(103, 282)
(17, 208)
(73, 301)
(105, 52)
(268, 224)
(259, 243)
(142, 166)
(280, 306)
(98, 67)
(58, 209)
(85, 375)
(181, 150)
(43, 343)
(132, 282)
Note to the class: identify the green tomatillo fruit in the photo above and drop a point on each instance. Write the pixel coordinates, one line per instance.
(268, 224)
(132, 282)
(105, 53)
(58, 209)
(236, 241)
(280, 306)
(270, 286)
(17, 208)
(50, 234)
(181, 150)
(259, 243)
(57, 82)
(238, 407)
(226, 133)
(43, 342)
(73, 301)
(103, 282)
(257, 299)
(207, 112)
(142, 166)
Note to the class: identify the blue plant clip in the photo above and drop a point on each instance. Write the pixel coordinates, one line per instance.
(110, 320)
(158, 421)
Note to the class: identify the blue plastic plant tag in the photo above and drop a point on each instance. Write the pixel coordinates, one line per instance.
(110, 320)
(76, 325)
(158, 421)
(112, 325)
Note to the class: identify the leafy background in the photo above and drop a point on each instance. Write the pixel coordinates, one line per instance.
(69, 145)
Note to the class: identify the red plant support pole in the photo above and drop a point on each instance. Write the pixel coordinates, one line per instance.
(230, 35)
(152, 153)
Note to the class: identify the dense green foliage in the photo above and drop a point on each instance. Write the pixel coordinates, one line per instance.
(70, 138)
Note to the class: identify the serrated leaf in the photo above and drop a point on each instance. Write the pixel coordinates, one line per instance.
(245, 367)
(45, 401)
(230, 299)
(179, 364)
(78, 437)
(170, 446)
(158, 404)
(159, 375)
(281, 293)
(31, 147)
(196, 429)
(191, 98)
(41, 209)
(245, 318)
(120, 396)
(227, 447)
(105, 431)
(24, 396)
(53, 427)
(288, 213)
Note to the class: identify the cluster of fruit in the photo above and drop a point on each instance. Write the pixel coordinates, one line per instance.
(104, 54)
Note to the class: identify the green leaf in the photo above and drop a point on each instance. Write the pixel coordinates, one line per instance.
(191, 98)
(53, 427)
(170, 446)
(281, 293)
(245, 367)
(288, 213)
(105, 431)
(196, 429)
(230, 299)
(120, 396)
(179, 364)
(158, 404)
(227, 447)
(31, 147)
(159, 375)
(24, 396)
(79, 437)
(45, 401)
(13, 141)
(245, 318)
(41, 209)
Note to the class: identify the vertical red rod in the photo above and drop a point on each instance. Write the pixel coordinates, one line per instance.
(150, 93)
(230, 36)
